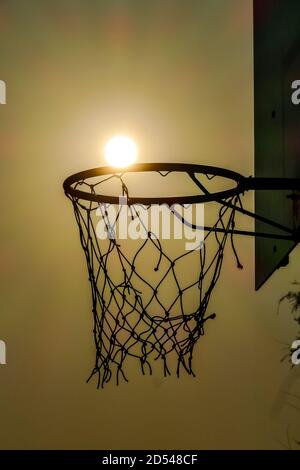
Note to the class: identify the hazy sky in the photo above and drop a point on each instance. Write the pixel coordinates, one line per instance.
(178, 77)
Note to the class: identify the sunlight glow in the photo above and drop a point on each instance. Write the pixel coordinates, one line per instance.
(120, 151)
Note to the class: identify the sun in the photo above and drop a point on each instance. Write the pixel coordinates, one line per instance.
(120, 151)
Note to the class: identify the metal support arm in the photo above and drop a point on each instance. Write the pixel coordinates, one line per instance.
(268, 184)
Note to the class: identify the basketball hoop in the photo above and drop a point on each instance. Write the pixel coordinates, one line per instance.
(132, 318)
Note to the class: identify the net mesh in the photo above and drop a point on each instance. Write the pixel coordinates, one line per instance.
(143, 305)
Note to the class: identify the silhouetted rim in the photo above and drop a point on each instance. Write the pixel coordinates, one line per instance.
(191, 170)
